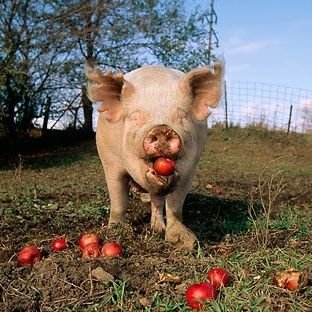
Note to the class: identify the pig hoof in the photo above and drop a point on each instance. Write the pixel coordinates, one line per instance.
(113, 223)
(157, 224)
(181, 237)
(145, 197)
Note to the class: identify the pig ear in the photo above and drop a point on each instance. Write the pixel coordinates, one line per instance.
(205, 85)
(106, 88)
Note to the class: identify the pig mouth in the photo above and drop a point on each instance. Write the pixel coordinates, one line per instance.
(160, 184)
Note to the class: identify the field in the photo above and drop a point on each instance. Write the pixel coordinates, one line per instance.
(250, 207)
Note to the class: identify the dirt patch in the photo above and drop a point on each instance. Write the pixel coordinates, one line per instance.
(62, 192)
(64, 280)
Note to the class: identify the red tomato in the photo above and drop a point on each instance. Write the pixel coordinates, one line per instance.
(88, 238)
(218, 277)
(164, 166)
(91, 251)
(111, 249)
(197, 294)
(29, 255)
(59, 244)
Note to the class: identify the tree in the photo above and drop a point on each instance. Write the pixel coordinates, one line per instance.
(28, 60)
(45, 44)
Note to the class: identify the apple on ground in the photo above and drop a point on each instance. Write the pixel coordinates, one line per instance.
(88, 238)
(218, 277)
(91, 251)
(111, 249)
(29, 255)
(58, 244)
(291, 279)
(198, 294)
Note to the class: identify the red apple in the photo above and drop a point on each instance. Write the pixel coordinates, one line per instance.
(88, 238)
(218, 277)
(164, 166)
(111, 249)
(291, 284)
(197, 294)
(290, 279)
(58, 244)
(29, 255)
(91, 251)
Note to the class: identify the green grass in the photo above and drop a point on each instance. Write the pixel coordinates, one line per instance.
(250, 206)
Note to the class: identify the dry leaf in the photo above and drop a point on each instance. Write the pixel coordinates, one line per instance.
(167, 277)
(145, 302)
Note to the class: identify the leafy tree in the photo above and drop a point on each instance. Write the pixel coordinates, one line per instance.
(27, 62)
(44, 45)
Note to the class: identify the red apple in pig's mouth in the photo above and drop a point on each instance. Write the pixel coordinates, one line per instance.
(164, 166)
(161, 175)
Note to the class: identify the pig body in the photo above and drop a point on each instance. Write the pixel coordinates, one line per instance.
(148, 113)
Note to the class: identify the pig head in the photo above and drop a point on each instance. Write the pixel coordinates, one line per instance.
(148, 113)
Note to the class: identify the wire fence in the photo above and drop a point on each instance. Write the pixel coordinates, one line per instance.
(272, 106)
(243, 104)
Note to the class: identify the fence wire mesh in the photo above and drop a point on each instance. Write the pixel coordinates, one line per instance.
(272, 106)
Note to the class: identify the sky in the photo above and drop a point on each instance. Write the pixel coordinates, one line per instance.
(265, 40)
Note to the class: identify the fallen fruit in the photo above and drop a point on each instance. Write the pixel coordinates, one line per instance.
(59, 244)
(290, 279)
(291, 283)
(29, 255)
(88, 238)
(91, 251)
(164, 166)
(218, 277)
(111, 249)
(197, 294)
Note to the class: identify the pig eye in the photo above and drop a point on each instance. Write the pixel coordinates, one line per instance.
(136, 117)
(179, 116)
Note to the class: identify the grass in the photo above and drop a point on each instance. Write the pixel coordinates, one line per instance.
(250, 206)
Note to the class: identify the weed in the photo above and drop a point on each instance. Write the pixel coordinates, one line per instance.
(268, 193)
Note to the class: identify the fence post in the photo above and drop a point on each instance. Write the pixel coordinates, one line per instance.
(226, 106)
(289, 119)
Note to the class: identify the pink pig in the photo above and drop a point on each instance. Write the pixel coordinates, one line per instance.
(148, 113)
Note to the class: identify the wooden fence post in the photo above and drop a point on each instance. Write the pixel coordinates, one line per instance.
(226, 106)
(289, 119)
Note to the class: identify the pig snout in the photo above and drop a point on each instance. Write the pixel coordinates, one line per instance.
(162, 141)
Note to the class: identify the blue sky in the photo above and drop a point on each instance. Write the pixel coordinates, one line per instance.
(266, 40)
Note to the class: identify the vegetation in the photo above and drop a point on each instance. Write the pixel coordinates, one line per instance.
(250, 206)
(45, 44)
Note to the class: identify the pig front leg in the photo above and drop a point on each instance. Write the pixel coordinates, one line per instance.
(157, 213)
(176, 232)
(118, 187)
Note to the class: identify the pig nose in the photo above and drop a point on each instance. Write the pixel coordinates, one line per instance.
(162, 141)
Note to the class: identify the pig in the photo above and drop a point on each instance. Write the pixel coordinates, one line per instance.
(153, 112)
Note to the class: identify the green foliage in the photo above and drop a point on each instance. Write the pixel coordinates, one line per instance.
(45, 45)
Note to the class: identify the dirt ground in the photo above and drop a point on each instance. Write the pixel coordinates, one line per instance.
(149, 267)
